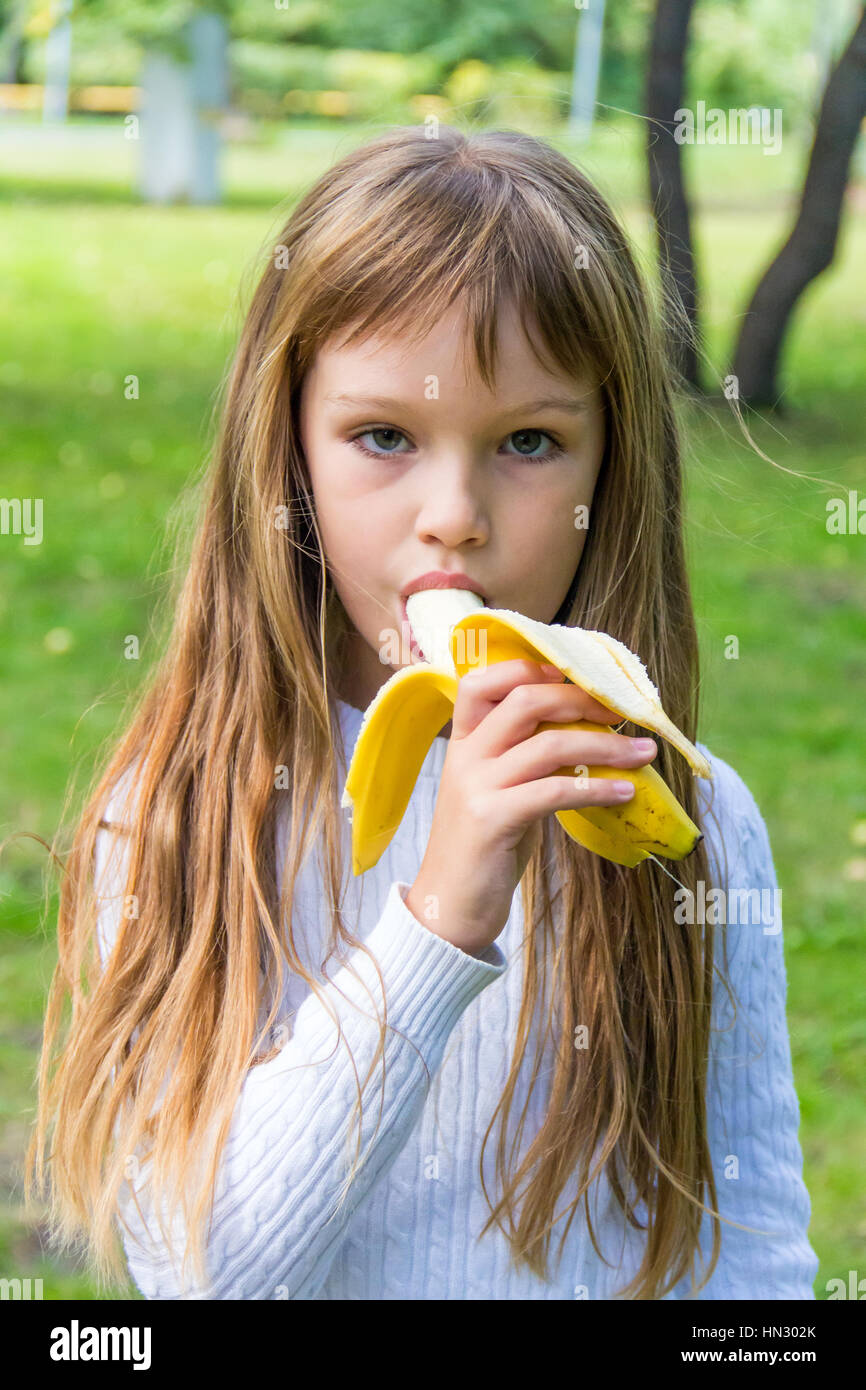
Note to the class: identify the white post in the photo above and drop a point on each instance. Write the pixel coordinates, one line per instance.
(208, 41)
(587, 63)
(58, 50)
(166, 129)
(181, 105)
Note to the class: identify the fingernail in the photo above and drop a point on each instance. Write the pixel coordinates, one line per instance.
(551, 670)
(643, 745)
(624, 789)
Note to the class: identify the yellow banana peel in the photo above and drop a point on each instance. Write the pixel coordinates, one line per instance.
(458, 633)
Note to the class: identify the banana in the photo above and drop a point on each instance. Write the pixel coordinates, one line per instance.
(411, 708)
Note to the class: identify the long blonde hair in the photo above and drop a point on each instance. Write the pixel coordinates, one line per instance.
(389, 236)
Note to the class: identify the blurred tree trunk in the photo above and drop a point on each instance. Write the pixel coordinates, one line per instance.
(812, 244)
(166, 129)
(664, 96)
(587, 65)
(58, 54)
(14, 44)
(181, 106)
(210, 90)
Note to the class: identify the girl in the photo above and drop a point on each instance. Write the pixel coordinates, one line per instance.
(281, 1081)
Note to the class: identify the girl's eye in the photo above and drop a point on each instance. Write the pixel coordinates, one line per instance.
(389, 434)
(526, 443)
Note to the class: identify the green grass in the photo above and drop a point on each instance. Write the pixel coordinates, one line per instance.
(94, 286)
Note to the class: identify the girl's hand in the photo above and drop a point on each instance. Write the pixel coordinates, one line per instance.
(495, 789)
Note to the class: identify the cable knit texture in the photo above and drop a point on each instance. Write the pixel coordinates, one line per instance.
(407, 1225)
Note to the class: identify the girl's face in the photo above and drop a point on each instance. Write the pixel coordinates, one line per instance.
(416, 466)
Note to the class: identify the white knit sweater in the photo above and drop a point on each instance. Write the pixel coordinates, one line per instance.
(409, 1226)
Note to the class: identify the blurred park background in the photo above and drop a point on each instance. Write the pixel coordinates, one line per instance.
(150, 152)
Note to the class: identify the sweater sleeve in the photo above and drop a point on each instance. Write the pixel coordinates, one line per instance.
(752, 1107)
(277, 1216)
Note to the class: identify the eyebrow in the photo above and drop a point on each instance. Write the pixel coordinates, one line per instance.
(563, 403)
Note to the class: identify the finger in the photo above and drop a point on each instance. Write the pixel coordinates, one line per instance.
(482, 690)
(563, 750)
(518, 807)
(524, 707)
(594, 709)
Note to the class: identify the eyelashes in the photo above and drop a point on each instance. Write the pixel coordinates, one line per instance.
(556, 450)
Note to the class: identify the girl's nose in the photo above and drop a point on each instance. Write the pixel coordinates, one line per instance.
(453, 511)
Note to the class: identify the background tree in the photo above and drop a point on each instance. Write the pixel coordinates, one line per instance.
(13, 18)
(811, 246)
(670, 205)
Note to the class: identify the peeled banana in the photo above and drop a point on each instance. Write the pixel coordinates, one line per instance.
(400, 723)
